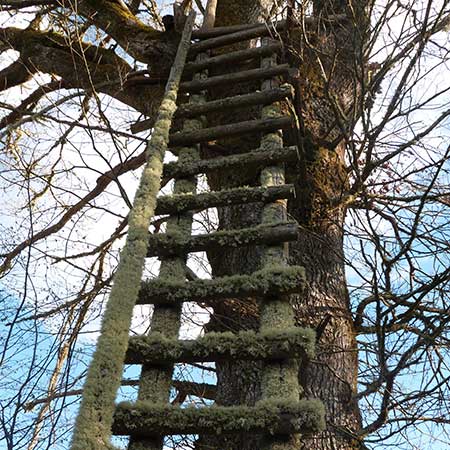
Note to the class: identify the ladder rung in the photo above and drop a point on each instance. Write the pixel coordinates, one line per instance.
(238, 36)
(173, 204)
(165, 245)
(181, 138)
(223, 104)
(147, 419)
(155, 349)
(240, 55)
(235, 77)
(249, 160)
(275, 281)
(220, 31)
(238, 101)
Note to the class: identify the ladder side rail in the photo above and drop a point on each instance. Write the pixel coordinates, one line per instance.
(156, 379)
(95, 417)
(279, 378)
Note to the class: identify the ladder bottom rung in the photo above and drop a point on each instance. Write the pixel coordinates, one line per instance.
(156, 349)
(274, 281)
(145, 419)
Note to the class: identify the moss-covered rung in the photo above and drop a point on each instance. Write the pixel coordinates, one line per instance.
(173, 204)
(251, 160)
(156, 349)
(176, 245)
(145, 419)
(270, 281)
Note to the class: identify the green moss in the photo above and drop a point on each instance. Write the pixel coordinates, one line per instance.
(176, 243)
(93, 425)
(273, 280)
(248, 345)
(282, 417)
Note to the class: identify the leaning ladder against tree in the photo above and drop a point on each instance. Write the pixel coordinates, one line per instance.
(280, 414)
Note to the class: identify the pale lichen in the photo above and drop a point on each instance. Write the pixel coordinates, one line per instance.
(275, 417)
(158, 349)
(273, 280)
(93, 425)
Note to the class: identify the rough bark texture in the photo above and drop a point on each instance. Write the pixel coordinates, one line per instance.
(320, 180)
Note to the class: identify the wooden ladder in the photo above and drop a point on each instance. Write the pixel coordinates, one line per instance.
(280, 415)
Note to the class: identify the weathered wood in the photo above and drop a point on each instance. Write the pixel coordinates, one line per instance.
(233, 29)
(227, 58)
(202, 390)
(252, 159)
(174, 245)
(235, 77)
(245, 345)
(155, 383)
(220, 31)
(238, 101)
(273, 281)
(182, 138)
(173, 204)
(278, 381)
(93, 424)
(145, 419)
(239, 36)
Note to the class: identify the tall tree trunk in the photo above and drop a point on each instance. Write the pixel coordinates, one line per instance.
(320, 179)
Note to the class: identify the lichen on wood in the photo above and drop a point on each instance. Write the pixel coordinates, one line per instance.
(276, 417)
(173, 243)
(177, 203)
(93, 425)
(158, 349)
(256, 158)
(273, 280)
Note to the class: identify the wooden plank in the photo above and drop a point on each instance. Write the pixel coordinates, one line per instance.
(235, 77)
(239, 36)
(246, 345)
(240, 55)
(276, 281)
(238, 101)
(189, 110)
(252, 159)
(181, 138)
(280, 25)
(174, 245)
(147, 419)
(219, 31)
(175, 204)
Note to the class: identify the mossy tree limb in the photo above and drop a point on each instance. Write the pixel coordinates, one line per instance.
(93, 425)
(279, 378)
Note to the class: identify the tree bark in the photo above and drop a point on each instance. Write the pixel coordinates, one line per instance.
(320, 179)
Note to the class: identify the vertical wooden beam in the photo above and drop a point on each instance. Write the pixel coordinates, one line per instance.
(210, 15)
(279, 378)
(155, 381)
(93, 424)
